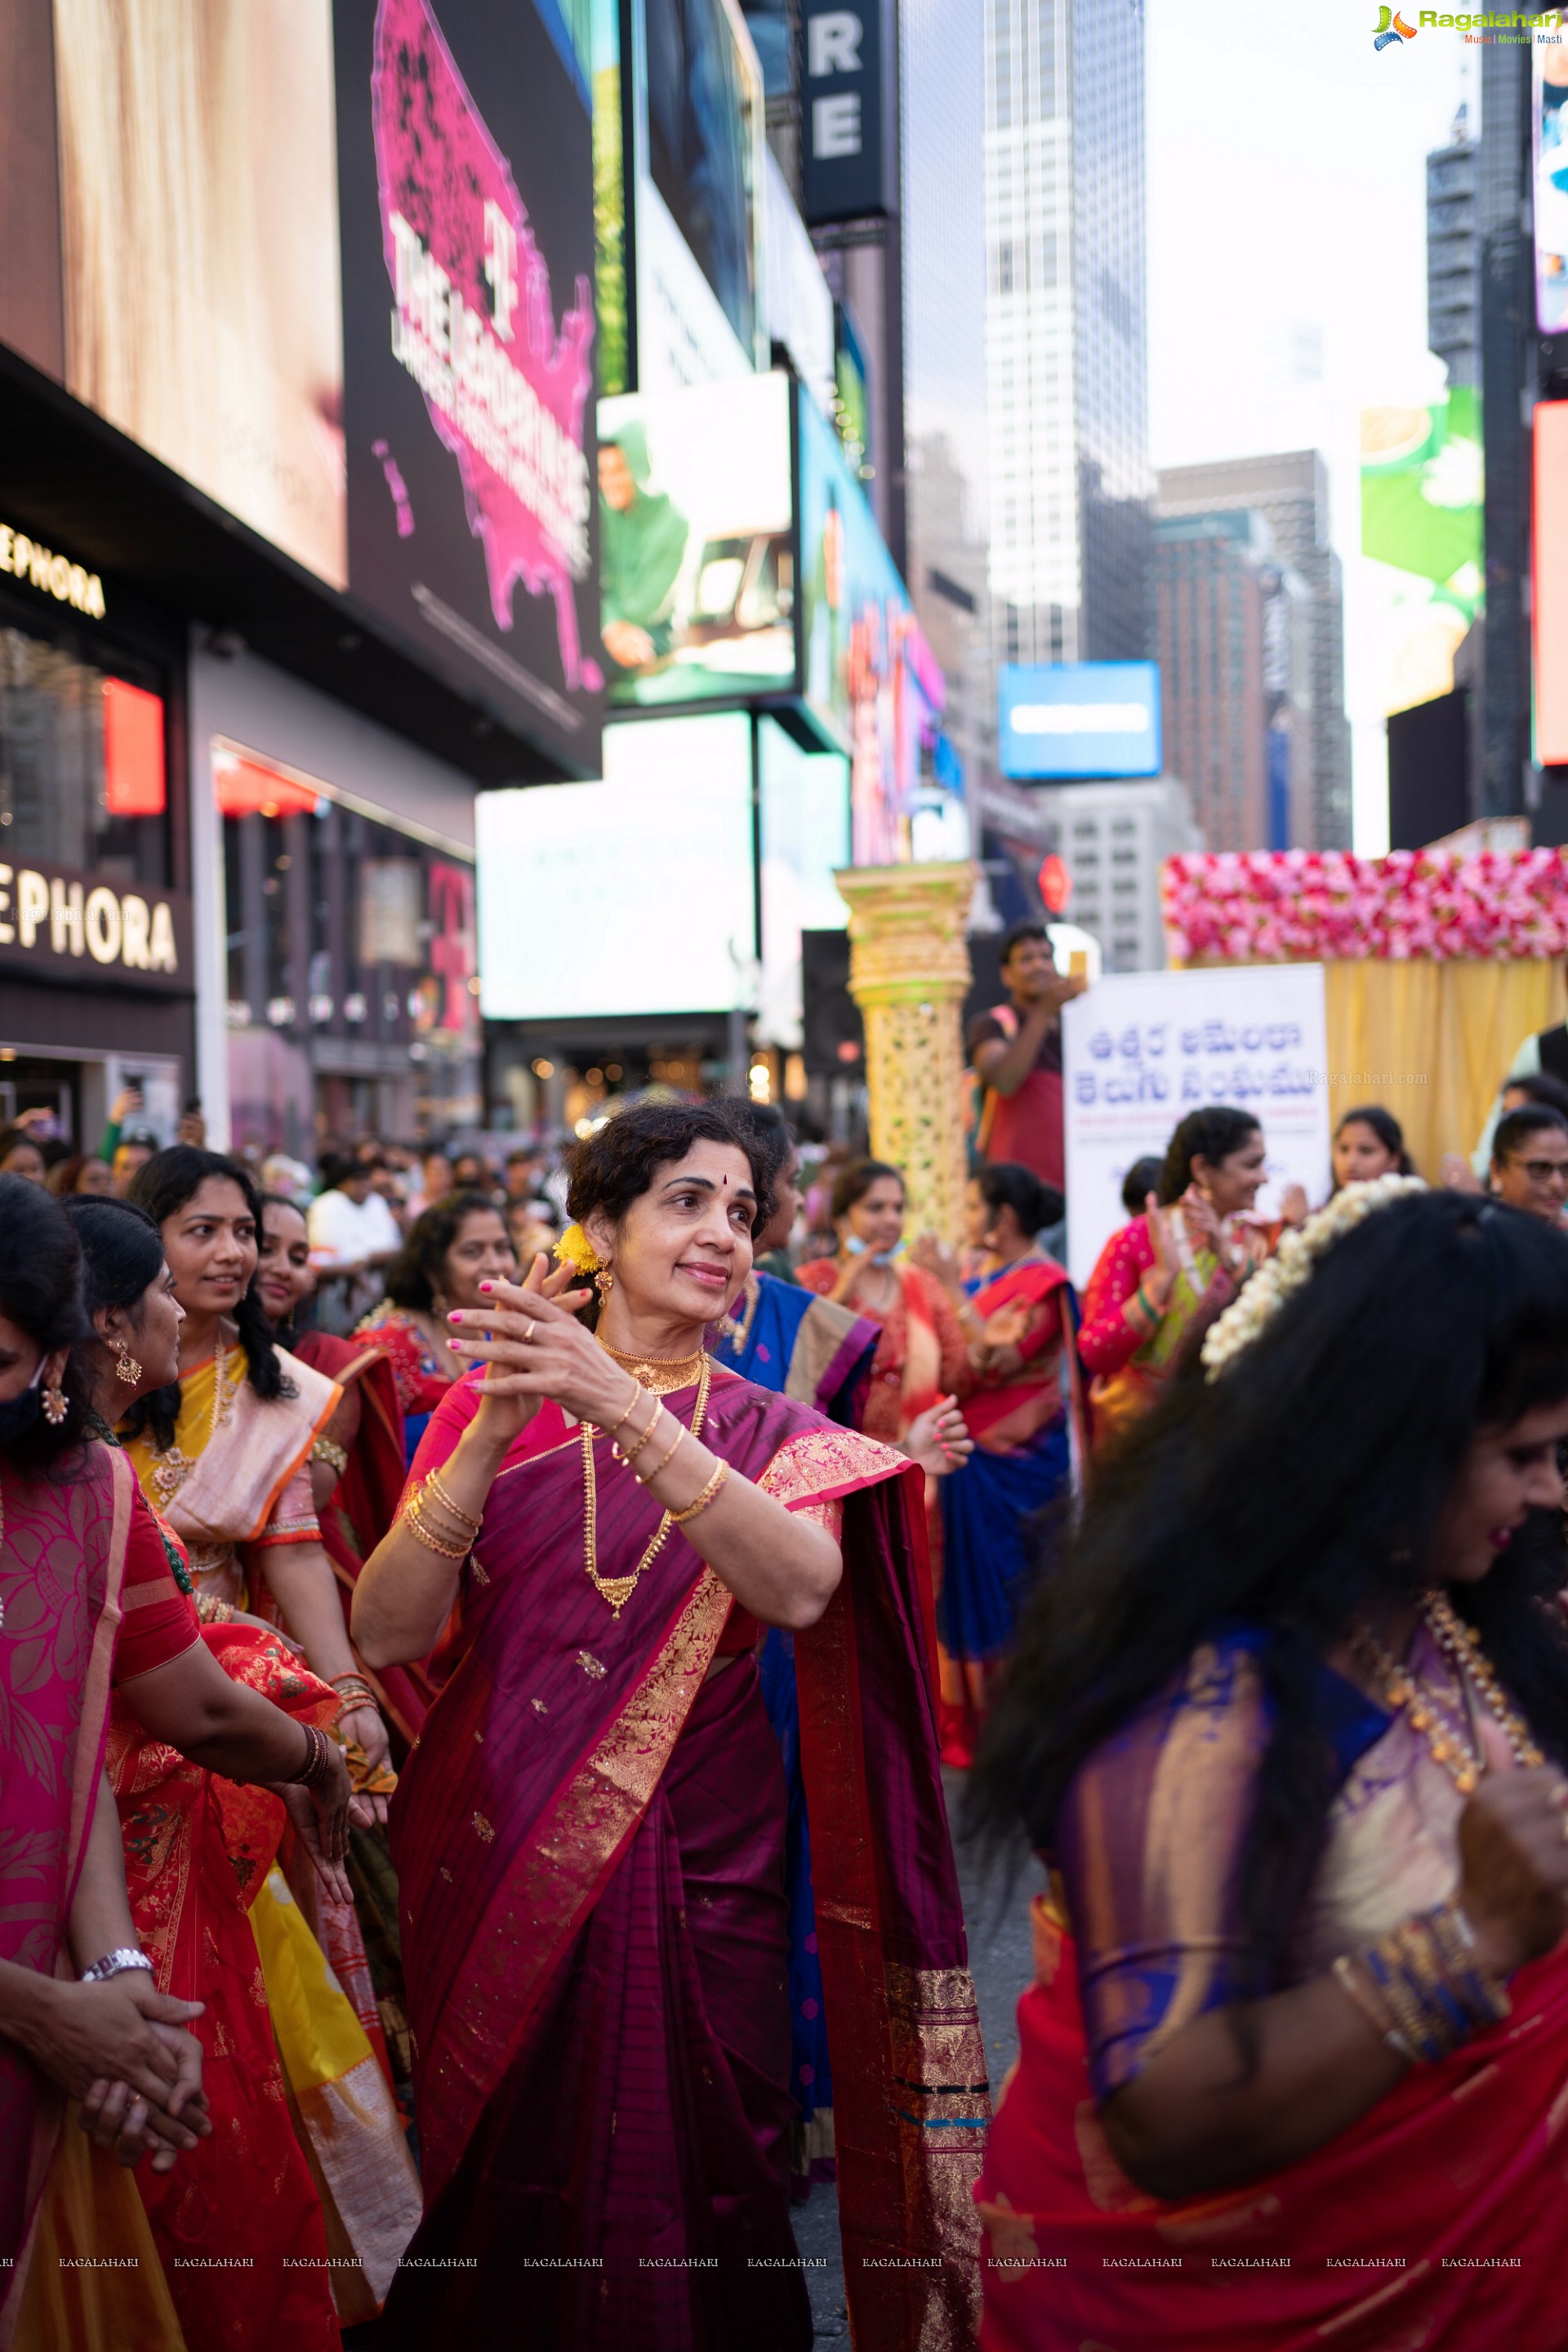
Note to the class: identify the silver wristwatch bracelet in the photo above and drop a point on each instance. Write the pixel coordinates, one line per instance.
(115, 1964)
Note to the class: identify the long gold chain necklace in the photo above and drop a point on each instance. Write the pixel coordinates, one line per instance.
(172, 1467)
(1404, 1691)
(618, 1589)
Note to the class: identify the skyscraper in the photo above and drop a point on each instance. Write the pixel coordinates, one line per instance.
(1209, 639)
(1291, 491)
(1453, 257)
(1066, 332)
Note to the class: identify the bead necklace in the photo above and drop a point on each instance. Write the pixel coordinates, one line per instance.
(1406, 1692)
(618, 1589)
(660, 1375)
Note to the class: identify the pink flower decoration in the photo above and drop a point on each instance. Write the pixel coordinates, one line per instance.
(1271, 905)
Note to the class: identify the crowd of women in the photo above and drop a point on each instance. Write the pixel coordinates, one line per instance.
(510, 1734)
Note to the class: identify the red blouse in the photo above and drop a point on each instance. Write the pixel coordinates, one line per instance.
(161, 1623)
(1106, 1339)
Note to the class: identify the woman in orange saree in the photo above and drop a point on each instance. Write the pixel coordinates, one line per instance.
(589, 1837)
(1291, 1726)
(923, 1359)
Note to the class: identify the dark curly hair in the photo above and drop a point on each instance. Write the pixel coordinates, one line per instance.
(853, 1183)
(414, 1274)
(40, 1292)
(161, 1186)
(1287, 1496)
(616, 1165)
(1211, 1134)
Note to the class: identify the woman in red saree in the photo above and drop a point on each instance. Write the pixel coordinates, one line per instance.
(1290, 1724)
(453, 1246)
(589, 1837)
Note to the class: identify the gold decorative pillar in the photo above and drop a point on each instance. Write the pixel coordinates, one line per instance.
(909, 972)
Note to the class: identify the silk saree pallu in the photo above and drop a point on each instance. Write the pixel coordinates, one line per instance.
(238, 2221)
(590, 1845)
(62, 1565)
(1434, 2224)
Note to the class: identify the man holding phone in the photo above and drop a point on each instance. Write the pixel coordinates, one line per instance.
(1015, 1050)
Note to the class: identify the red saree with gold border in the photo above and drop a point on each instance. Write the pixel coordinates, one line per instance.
(590, 1840)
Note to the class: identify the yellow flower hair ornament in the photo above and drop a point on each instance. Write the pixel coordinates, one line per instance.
(575, 1249)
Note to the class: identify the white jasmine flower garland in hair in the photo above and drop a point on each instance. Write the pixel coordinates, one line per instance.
(1293, 1264)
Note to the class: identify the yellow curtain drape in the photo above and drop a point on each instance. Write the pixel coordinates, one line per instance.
(1431, 1040)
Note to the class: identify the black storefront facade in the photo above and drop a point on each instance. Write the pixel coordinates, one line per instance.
(97, 972)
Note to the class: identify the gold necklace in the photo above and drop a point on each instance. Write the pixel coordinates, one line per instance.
(172, 1467)
(618, 1589)
(1405, 1692)
(660, 1375)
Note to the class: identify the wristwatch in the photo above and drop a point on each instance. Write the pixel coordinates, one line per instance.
(115, 1964)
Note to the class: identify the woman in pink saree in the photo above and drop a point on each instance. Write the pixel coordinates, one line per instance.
(64, 1523)
(589, 1837)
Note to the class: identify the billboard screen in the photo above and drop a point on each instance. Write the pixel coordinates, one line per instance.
(578, 883)
(1549, 604)
(844, 56)
(866, 672)
(468, 242)
(697, 561)
(1549, 124)
(290, 253)
(1421, 524)
(197, 304)
(1079, 720)
(694, 182)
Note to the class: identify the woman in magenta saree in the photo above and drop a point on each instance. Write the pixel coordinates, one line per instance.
(590, 1836)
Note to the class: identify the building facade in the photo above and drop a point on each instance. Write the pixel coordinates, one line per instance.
(1113, 839)
(1453, 258)
(1210, 595)
(1066, 335)
(1290, 492)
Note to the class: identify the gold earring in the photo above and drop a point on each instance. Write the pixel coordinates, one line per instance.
(127, 1368)
(603, 1283)
(438, 1302)
(54, 1402)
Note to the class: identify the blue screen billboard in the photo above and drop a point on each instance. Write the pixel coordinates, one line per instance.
(1074, 720)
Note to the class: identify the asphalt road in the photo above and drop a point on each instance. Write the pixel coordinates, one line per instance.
(997, 1919)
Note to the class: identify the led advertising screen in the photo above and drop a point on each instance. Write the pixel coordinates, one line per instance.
(697, 562)
(1421, 526)
(1549, 604)
(582, 886)
(1079, 720)
(181, 276)
(466, 171)
(1550, 124)
(866, 672)
(802, 835)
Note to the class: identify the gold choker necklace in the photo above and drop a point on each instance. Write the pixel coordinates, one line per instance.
(660, 1375)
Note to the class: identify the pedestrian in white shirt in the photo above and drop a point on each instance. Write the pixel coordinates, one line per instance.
(352, 1234)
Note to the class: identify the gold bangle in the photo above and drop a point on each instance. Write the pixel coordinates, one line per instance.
(629, 1456)
(637, 1390)
(664, 1459)
(423, 1535)
(679, 1518)
(327, 1450)
(433, 1480)
(465, 1527)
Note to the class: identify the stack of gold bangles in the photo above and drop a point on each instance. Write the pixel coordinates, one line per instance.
(695, 1508)
(354, 1692)
(429, 1531)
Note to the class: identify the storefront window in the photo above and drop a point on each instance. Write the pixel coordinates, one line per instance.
(350, 959)
(82, 779)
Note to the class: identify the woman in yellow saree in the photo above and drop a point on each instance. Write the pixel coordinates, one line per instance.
(225, 1459)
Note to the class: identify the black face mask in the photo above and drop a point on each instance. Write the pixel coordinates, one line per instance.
(19, 1414)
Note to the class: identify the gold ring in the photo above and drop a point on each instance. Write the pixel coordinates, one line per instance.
(529, 1332)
